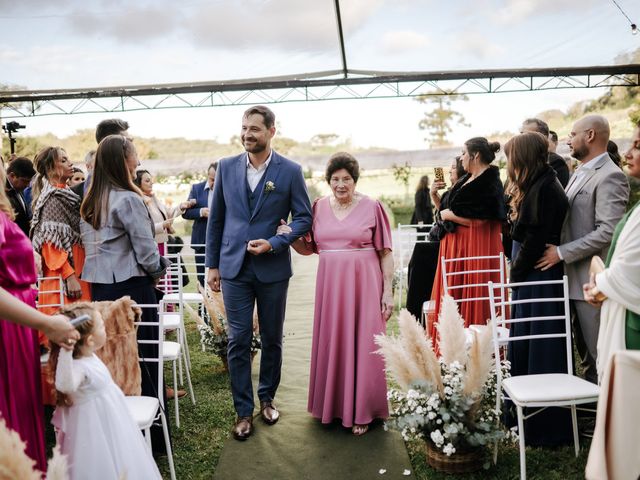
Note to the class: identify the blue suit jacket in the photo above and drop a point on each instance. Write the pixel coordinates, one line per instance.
(199, 230)
(231, 224)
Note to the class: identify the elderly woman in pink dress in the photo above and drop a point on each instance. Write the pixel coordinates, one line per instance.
(351, 234)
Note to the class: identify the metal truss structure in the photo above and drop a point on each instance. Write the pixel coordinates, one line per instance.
(332, 85)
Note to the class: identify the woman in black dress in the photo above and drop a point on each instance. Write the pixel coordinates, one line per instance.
(538, 207)
(424, 259)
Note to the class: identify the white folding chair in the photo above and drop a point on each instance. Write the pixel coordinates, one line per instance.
(175, 352)
(147, 410)
(58, 290)
(540, 391)
(407, 237)
(172, 284)
(454, 271)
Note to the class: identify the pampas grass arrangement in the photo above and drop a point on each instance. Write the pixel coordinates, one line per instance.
(449, 401)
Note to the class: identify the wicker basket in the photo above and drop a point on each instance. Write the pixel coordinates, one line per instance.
(459, 462)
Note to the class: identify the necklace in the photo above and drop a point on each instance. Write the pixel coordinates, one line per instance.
(343, 206)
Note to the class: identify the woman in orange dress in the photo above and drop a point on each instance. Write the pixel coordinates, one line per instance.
(55, 234)
(473, 228)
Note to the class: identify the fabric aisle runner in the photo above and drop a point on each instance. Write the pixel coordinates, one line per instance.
(299, 447)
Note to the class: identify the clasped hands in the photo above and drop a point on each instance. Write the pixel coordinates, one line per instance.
(592, 295)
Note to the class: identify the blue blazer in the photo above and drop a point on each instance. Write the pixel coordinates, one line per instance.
(231, 224)
(199, 230)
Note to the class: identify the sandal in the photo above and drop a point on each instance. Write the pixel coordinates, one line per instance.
(359, 430)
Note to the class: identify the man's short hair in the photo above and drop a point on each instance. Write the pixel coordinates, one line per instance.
(213, 165)
(21, 167)
(541, 125)
(111, 126)
(553, 136)
(268, 116)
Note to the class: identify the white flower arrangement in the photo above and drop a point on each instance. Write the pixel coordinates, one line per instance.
(449, 401)
(269, 186)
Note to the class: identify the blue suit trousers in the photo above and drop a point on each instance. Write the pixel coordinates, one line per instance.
(240, 294)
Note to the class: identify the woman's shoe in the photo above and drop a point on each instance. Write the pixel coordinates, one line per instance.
(359, 430)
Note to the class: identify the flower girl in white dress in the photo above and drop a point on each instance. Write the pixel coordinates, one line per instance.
(94, 427)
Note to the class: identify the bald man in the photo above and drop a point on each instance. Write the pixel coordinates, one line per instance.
(598, 193)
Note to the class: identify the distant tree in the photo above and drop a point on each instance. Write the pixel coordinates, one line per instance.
(283, 145)
(438, 122)
(402, 174)
(323, 139)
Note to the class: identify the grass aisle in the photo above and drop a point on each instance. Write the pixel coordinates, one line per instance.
(298, 446)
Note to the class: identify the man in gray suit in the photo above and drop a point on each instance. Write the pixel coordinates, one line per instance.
(598, 193)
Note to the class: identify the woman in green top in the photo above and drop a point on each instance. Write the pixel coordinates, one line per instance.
(617, 288)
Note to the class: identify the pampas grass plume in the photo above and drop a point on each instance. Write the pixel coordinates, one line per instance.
(419, 349)
(480, 361)
(14, 462)
(401, 367)
(451, 332)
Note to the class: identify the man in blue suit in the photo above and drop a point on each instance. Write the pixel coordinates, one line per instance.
(201, 193)
(253, 192)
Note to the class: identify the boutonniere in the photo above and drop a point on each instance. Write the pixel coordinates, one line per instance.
(269, 186)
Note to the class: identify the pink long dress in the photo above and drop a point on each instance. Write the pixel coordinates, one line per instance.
(347, 380)
(20, 395)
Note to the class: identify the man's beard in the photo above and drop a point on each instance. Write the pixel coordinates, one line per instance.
(257, 147)
(579, 152)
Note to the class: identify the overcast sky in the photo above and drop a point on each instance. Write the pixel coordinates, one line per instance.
(84, 43)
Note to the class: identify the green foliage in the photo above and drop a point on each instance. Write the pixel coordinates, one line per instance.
(438, 122)
(402, 174)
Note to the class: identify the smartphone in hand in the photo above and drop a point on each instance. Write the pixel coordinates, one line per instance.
(439, 174)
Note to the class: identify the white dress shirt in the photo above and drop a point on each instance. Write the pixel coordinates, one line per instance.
(254, 175)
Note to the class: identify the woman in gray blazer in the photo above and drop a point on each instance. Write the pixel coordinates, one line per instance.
(121, 255)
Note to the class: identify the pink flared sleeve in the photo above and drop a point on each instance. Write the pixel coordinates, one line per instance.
(382, 229)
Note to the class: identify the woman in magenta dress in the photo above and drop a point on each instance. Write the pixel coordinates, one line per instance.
(20, 394)
(351, 234)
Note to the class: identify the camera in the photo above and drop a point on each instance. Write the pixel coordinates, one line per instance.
(11, 127)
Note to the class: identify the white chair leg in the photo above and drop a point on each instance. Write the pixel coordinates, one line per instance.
(185, 346)
(574, 421)
(191, 394)
(167, 443)
(175, 394)
(179, 360)
(523, 460)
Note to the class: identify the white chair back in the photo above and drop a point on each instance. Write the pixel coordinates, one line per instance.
(406, 238)
(58, 290)
(455, 271)
(157, 340)
(563, 300)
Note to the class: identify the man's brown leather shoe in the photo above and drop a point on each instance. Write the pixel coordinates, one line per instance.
(171, 393)
(269, 413)
(243, 428)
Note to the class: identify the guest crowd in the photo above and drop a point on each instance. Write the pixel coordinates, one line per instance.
(101, 233)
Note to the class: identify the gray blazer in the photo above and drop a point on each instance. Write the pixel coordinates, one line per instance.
(124, 246)
(595, 208)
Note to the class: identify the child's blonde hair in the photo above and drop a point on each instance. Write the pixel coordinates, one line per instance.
(72, 311)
